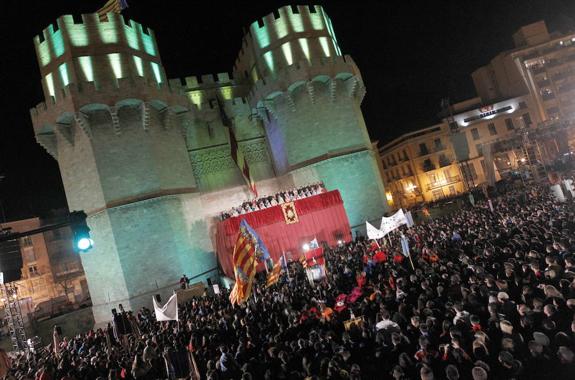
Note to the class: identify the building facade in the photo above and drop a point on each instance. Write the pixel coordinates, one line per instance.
(520, 121)
(50, 268)
(148, 158)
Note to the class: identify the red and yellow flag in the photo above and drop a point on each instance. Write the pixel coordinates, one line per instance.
(248, 251)
(274, 275)
(111, 6)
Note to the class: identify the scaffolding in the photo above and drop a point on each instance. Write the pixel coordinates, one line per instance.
(13, 316)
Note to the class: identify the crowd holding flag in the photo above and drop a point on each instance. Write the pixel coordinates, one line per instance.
(249, 250)
(274, 275)
(111, 6)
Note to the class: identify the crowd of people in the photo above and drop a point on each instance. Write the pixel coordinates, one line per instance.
(274, 200)
(485, 294)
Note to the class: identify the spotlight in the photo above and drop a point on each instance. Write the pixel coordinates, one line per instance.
(305, 247)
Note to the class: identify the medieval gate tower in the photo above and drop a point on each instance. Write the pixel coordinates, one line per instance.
(148, 158)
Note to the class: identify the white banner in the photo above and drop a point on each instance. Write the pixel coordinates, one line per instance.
(372, 232)
(390, 223)
(317, 272)
(168, 312)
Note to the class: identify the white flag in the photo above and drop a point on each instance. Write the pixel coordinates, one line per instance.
(168, 312)
(372, 232)
(409, 219)
(313, 244)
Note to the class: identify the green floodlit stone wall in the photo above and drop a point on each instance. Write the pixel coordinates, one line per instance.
(357, 178)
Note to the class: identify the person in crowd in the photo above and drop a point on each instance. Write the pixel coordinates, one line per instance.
(491, 295)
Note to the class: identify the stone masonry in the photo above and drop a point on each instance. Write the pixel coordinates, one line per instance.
(148, 158)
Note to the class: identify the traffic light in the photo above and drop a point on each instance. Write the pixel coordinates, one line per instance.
(82, 240)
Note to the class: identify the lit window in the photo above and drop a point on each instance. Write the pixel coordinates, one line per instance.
(50, 84)
(509, 124)
(157, 73)
(304, 47)
(287, 53)
(139, 65)
(86, 66)
(269, 60)
(116, 63)
(64, 74)
(475, 134)
(324, 45)
(492, 129)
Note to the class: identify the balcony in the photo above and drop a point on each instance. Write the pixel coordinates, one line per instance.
(427, 166)
(444, 182)
(423, 152)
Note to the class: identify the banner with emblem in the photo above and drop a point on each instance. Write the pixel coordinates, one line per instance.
(290, 213)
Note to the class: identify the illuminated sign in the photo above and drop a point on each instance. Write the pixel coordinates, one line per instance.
(487, 111)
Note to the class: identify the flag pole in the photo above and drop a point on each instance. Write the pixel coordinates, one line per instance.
(411, 262)
(286, 265)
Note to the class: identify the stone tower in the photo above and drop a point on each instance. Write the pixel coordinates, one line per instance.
(116, 127)
(149, 159)
(308, 95)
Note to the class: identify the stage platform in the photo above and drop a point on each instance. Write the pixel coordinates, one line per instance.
(320, 217)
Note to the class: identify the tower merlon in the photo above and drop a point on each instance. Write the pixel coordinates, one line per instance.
(339, 67)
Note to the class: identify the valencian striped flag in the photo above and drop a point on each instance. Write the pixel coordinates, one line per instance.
(111, 6)
(274, 275)
(248, 252)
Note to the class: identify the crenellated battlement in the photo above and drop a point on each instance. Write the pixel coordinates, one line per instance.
(283, 37)
(339, 67)
(290, 19)
(76, 34)
(208, 81)
(203, 90)
(75, 96)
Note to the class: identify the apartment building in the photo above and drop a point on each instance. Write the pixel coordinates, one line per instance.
(50, 266)
(541, 65)
(523, 117)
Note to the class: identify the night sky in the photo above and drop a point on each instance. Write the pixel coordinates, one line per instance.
(410, 57)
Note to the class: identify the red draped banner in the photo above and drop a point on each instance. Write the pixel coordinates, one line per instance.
(320, 216)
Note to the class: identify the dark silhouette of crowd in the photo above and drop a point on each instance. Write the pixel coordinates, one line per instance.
(490, 295)
(274, 200)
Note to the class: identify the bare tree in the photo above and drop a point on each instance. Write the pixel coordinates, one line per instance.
(65, 280)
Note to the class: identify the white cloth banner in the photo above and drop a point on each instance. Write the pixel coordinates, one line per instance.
(372, 232)
(390, 223)
(168, 312)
